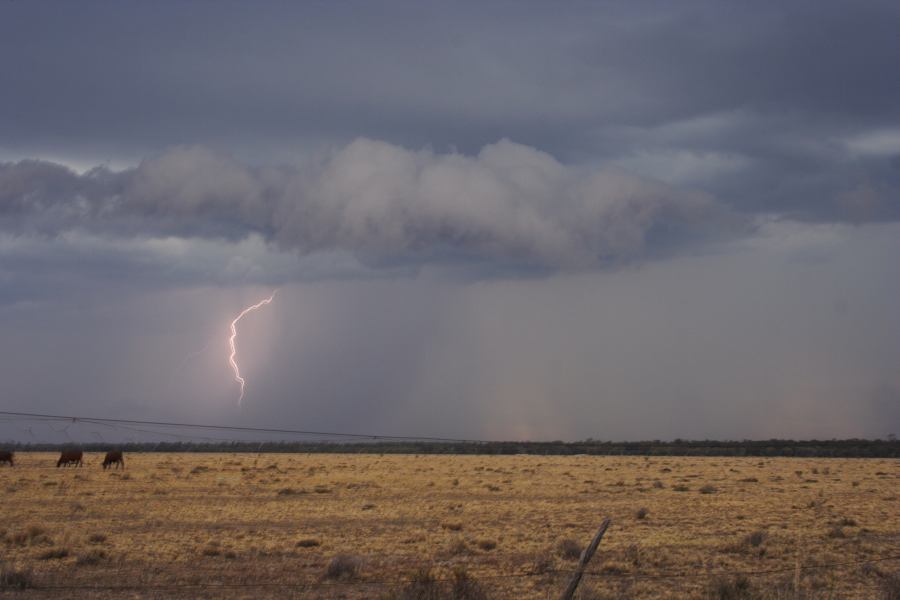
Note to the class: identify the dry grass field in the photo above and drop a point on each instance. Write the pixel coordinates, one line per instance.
(403, 526)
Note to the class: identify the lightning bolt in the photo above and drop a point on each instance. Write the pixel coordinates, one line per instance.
(231, 361)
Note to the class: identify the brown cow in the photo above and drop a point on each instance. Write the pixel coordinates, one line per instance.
(113, 457)
(7, 456)
(70, 457)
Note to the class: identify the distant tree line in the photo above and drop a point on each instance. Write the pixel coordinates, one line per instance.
(851, 448)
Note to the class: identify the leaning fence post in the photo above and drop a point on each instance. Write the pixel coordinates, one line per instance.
(586, 556)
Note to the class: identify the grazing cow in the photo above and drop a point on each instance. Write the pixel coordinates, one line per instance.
(70, 457)
(7, 456)
(113, 457)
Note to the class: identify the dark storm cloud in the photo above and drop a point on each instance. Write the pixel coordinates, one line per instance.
(788, 86)
(510, 204)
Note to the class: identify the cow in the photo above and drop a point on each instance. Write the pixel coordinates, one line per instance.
(70, 457)
(113, 457)
(7, 456)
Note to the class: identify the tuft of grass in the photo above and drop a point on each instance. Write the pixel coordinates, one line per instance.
(458, 548)
(424, 585)
(487, 545)
(308, 543)
(633, 554)
(542, 562)
(890, 587)
(708, 489)
(93, 557)
(34, 531)
(680, 488)
(15, 579)
(465, 587)
(343, 567)
(96, 538)
(641, 513)
(568, 549)
(452, 525)
(53, 554)
(836, 532)
(730, 588)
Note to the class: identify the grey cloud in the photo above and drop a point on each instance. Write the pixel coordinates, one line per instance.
(563, 80)
(509, 204)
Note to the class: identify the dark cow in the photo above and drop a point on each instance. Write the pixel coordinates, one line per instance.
(70, 457)
(113, 457)
(7, 456)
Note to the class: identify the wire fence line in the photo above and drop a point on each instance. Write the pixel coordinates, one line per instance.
(396, 582)
(235, 428)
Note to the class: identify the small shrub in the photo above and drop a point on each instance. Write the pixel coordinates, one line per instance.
(308, 543)
(749, 480)
(487, 545)
(96, 538)
(343, 566)
(211, 550)
(568, 549)
(452, 525)
(641, 514)
(708, 489)
(756, 538)
(680, 488)
(847, 522)
(658, 484)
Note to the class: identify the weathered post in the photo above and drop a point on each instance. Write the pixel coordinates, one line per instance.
(586, 556)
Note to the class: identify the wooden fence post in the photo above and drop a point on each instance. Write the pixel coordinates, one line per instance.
(586, 556)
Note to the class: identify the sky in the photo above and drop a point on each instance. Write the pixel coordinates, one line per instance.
(507, 220)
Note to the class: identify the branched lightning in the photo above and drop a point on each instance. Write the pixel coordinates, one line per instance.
(231, 360)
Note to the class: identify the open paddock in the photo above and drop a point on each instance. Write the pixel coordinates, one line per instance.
(370, 526)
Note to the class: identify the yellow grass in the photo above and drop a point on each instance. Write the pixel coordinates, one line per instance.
(172, 521)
